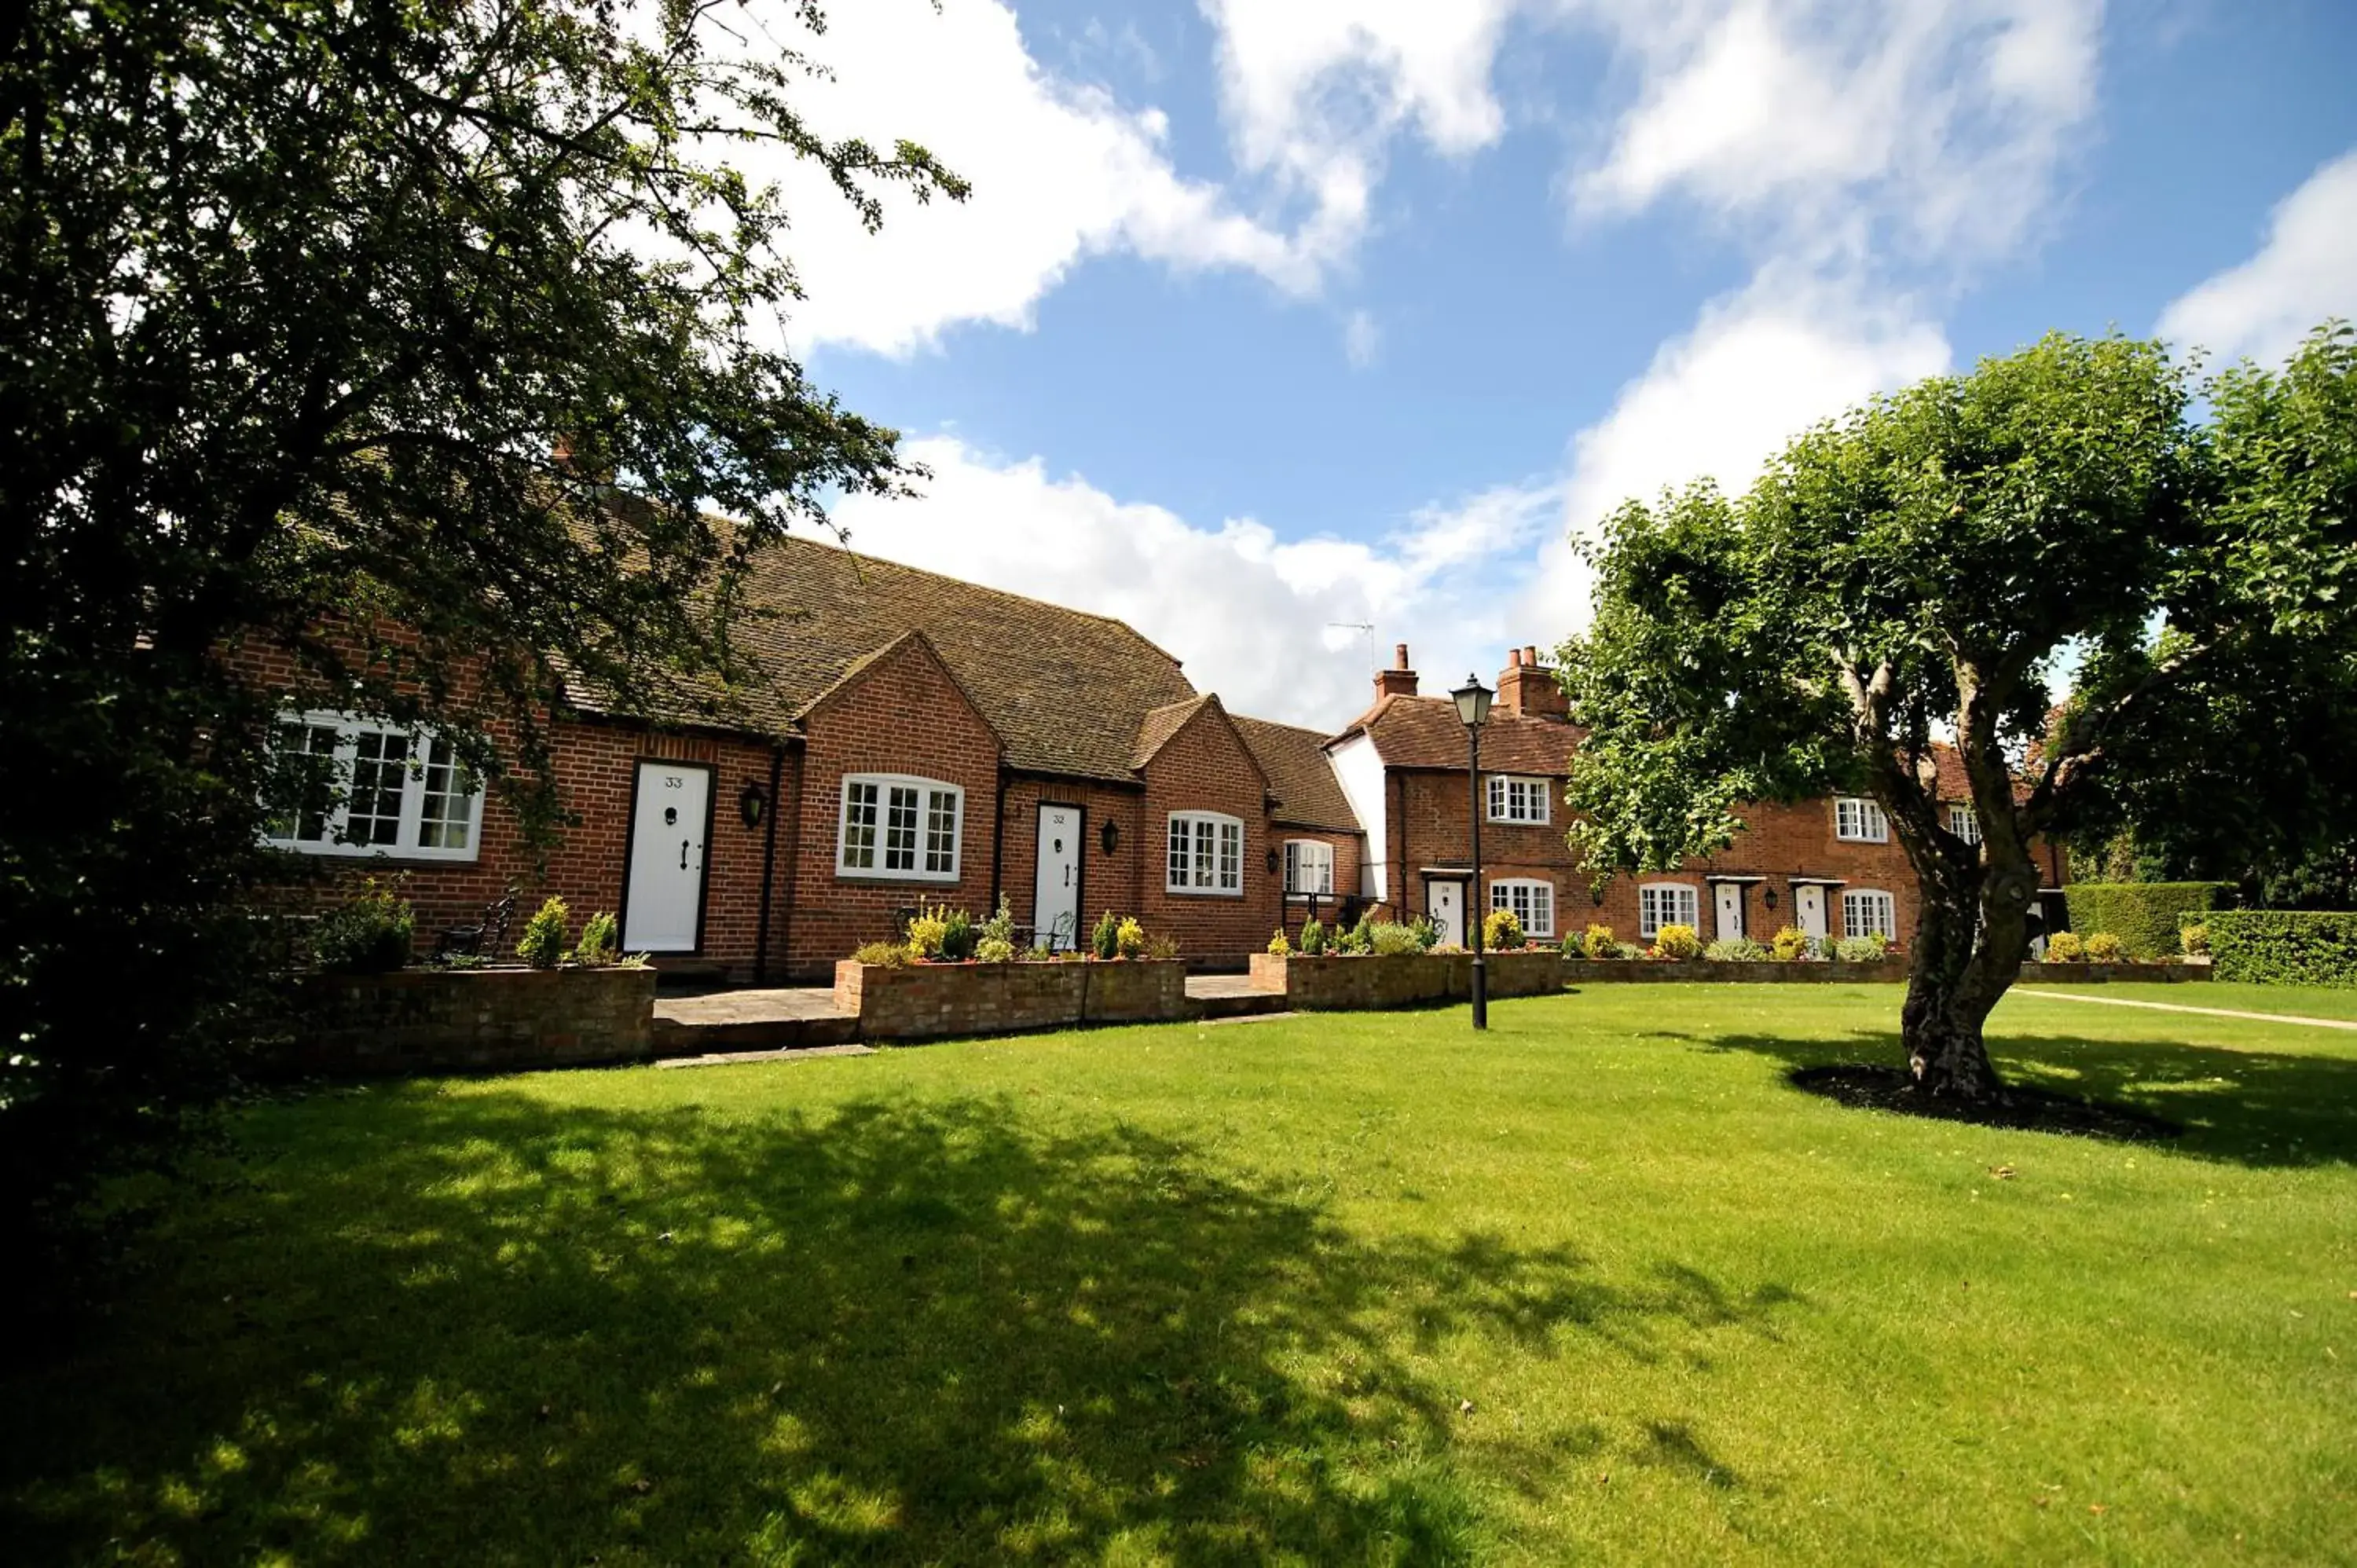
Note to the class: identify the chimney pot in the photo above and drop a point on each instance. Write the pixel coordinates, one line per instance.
(1530, 653)
(1399, 656)
(1514, 658)
(1399, 681)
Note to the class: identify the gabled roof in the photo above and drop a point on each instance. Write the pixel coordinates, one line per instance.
(1299, 776)
(1065, 691)
(1425, 732)
(1154, 731)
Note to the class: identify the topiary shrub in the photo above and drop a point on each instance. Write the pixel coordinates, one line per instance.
(2284, 947)
(1313, 938)
(543, 943)
(601, 941)
(2064, 947)
(1277, 944)
(2102, 947)
(1599, 943)
(1389, 940)
(1677, 941)
(2193, 938)
(1106, 940)
(959, 936)
(1501, 930)
(1734, 950)
(368, 933)
(1789, 945)
(2144, 916)
(1129, 939)
(883, 955)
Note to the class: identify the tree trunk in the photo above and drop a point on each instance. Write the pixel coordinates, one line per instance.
(1969, 944)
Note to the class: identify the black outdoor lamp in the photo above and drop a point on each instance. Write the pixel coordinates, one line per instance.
(1473, 711)
(1109, 835)
(751, 803)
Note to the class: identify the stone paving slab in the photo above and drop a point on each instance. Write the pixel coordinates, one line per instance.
(730, 1058)
(763, 1006)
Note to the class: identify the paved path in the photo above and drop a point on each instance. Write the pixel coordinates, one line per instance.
(730, 1058)
(2181, 1007)
(748, 1007)
(1206, 987)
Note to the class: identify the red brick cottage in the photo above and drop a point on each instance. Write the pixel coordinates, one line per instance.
(913, 739)
(1831, 867)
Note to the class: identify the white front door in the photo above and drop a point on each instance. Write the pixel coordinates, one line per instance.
(666, 891)
(1447, 901)
(1056, 885)
(1809, 909)
(1731, 910)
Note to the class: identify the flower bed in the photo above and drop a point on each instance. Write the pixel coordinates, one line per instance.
(2096, 973)
(1763, 971)
(933, 1001)
(477, 1020)
(1362, 982)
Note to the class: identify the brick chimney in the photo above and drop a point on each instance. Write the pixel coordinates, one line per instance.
(1527, 687)
(1399, 681)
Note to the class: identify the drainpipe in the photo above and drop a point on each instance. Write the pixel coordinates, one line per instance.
(998, 842)
(793, 866)
(769, 868)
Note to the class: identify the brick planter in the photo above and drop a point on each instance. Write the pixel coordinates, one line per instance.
(2098, 973)
(1367, 982)
(931, 1001)
(487, 1020)
(1767, 971)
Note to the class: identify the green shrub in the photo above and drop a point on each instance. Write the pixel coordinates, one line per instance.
(1164, 947)
(1363, 935)
(1347, 941)
(883, 955)
(2145, 916)
(543, 944)
(1677, 941)
(1789, 945)
(1734, 950)
(2064, 947)
(2103, 947)
(2195, 938)
(1277, 944)
(1599, 943)
(994, 950)
(1390, 939)
(1129, 938)
(1871, 948)
(928, 929)
(601, 941)
(1313, 938)
(1000, 926)
(1106, 940)
(368, 933)
(959, 936)
(1428, 935)
(2285, 947)
(1626, 949)
(1501, 930)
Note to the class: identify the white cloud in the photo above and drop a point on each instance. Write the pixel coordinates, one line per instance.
(1758, 367)
(1271, 625)
(2306, 271)
(1942, 122)
(1060, 171)
(1362, 339)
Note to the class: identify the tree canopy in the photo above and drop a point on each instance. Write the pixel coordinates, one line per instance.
(1922, 573)
(358, 307)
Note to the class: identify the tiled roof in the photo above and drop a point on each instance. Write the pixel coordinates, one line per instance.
(1066, 690)
(1425, 732)
(1307, 793)
(1155, 730)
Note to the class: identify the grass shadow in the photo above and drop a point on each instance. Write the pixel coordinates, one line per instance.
(477, 1327)
(2263, 1109)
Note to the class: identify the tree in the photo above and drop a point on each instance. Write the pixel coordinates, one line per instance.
(360, 308)
(1915, 573)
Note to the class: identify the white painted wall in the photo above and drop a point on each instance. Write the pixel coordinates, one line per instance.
(1359, 769)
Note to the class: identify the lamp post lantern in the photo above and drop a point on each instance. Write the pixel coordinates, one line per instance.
(1473, 711)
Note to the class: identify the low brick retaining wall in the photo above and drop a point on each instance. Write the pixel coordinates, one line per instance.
(485, 1020)
(1761, 972)
(1366, 983)
(931, 1001)
(2098, 973)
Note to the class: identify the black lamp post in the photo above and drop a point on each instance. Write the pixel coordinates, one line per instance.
(1474, 711)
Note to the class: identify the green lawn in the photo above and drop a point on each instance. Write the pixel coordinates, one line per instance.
(2308, 1001)
(1600, 1286)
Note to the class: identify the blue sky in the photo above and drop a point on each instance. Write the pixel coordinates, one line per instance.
(1270, 319)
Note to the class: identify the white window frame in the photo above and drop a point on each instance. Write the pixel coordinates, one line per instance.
(1519, 798)
(1681, 902)
(1532, 898)
(1886, 913)
(1309, 854)
(930, 794)
(1963, 822)
(1216, 876)
(1857, 820)
(410, 815)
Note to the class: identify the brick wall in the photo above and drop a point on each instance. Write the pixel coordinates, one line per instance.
(1205, 767)
(1108, 881)
(476, 1021)
(902, 713)
(936, 1000)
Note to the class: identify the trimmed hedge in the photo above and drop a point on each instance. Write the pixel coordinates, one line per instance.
(2284, 947)
(2144, 915)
